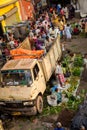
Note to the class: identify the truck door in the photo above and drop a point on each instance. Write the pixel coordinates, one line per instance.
(39, 79)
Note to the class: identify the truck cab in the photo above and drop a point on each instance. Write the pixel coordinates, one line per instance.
(22, 87)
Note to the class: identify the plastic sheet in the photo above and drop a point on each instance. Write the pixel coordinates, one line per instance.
(23, 53)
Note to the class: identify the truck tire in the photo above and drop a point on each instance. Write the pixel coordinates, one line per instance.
(39, 104)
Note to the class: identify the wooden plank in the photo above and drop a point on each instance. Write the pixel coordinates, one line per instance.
(25, 44)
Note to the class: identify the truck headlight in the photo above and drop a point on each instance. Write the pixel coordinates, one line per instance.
(27, 103)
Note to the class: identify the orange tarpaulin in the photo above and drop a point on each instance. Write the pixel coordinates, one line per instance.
(23, 53)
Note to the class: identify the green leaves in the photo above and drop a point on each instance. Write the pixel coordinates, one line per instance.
(66, 61)
(76, 71)
(51, 110)
(72, 64)
(78, 62)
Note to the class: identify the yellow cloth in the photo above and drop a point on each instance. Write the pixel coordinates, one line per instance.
(60, 25)
(64, 21)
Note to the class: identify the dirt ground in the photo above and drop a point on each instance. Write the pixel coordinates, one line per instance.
(43, 123)
(77, 45)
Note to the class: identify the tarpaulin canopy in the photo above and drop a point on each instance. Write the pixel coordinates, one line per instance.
(83, 7)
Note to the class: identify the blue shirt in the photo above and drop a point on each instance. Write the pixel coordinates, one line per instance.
(59, 96)
(54, 88)
(58, 8)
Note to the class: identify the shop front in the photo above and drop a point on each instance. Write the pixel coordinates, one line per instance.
(27, 9)
(9, 13)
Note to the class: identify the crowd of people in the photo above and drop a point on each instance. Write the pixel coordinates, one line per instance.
(42, 31)
(6, 45)
(47, 25)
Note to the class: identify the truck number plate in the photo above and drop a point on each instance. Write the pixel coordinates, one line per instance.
(16, 113)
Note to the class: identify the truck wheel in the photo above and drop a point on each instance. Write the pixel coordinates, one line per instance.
(39, 104)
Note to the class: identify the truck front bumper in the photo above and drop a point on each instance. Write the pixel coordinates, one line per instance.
(20, 111)
(17, 108)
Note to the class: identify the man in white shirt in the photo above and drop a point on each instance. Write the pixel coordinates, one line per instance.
(37, 30)
(57, 31)
(31, 34)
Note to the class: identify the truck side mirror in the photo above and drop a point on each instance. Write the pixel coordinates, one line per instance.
(30, 82)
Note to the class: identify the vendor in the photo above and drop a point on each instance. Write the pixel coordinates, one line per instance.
(58, 94)
(53, 89)
(76, 30)
(59, 74)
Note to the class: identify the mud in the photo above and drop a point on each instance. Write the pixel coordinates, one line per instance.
(65, 117)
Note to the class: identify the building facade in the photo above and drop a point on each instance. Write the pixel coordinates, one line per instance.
(26, 9)
(9, 13)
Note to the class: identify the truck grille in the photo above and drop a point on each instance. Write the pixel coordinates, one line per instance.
(14, 105)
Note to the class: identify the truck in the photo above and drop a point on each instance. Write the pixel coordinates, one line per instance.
(23, 81)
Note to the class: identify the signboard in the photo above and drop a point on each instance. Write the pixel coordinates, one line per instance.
(27, 9)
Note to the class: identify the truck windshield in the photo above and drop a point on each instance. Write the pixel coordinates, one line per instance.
(16, 77)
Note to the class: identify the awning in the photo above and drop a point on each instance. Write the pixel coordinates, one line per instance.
(4, 3)
(11, 12)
